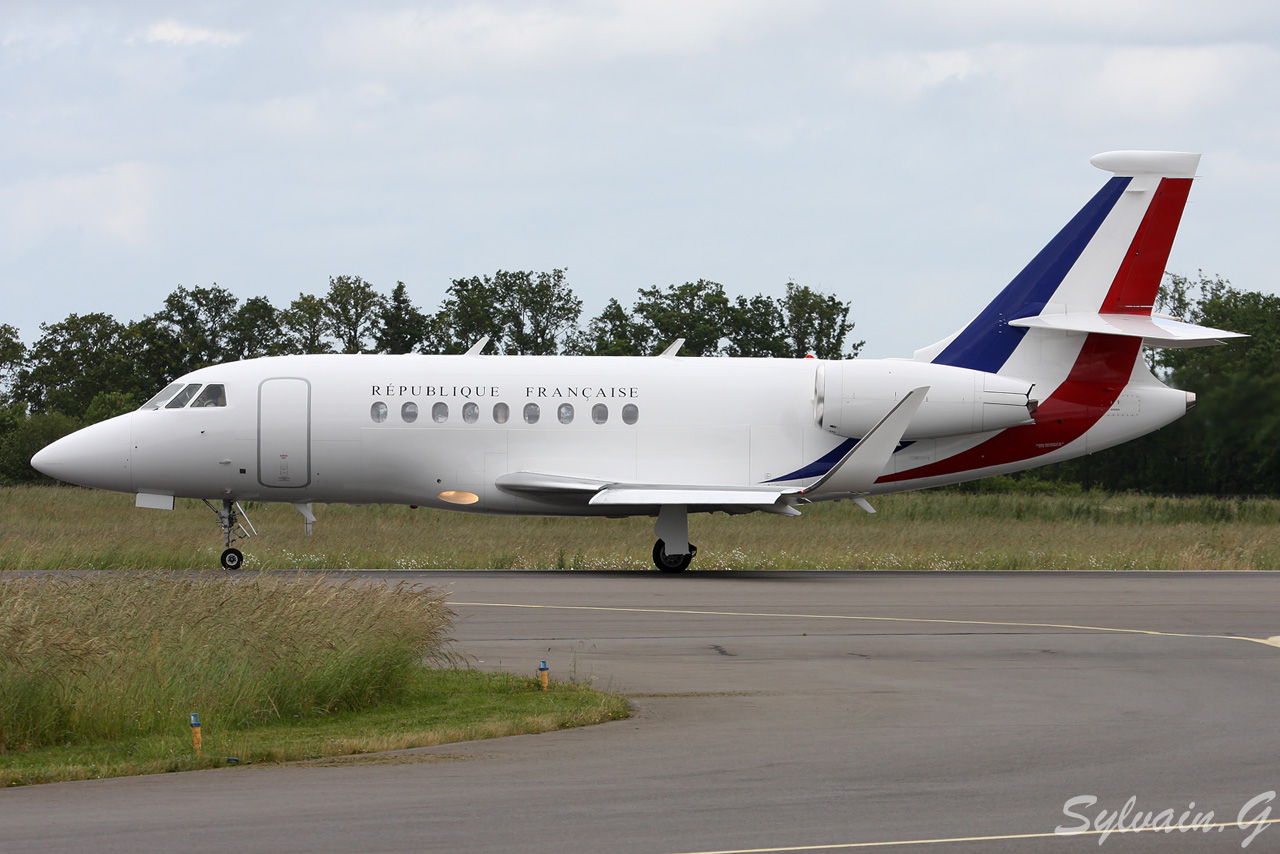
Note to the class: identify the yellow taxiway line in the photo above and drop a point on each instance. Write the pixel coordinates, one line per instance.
(1271, 641)
(896, 843)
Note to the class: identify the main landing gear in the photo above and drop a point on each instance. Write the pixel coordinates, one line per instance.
(673, 552)
(229, 520)
(672, 563)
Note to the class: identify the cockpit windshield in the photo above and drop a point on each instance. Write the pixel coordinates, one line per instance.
(183, 397)
(214, 394)
(167, 392)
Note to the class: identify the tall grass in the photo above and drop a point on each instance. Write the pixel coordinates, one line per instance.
(55, 528)
(122, 655)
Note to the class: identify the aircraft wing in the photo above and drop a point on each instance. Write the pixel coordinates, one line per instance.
(561, 489)
(852, 477)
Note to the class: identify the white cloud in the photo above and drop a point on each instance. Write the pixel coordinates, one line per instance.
(172, 32)
(903, 74)
(1089, 84)
(111, 205)
(482, 35)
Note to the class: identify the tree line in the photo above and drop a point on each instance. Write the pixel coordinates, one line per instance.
(89, 367)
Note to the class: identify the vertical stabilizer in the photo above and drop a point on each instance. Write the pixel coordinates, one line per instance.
(1108, 260)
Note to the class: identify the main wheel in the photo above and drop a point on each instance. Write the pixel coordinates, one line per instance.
(232, 559)
(671, 563)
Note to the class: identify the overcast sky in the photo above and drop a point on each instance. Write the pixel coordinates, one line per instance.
(909, 156)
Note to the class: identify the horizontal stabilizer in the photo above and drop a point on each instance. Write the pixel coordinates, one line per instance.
(866, 460)
(1154, 330)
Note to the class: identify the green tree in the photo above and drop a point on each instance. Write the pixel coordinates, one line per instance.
(255, 330)
(27, 436)
(12, 355)
(816, 323)
(755, 328)
(109, 404)
(613, 332)
(698, 312)
(401, 326)
(73, 361)
(305, 328)
(200, 321)
(351, 310)
(538, 310)
(470, 310)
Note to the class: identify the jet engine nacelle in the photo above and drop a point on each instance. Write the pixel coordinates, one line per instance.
(852, 396)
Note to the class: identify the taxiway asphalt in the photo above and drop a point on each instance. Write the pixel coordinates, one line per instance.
(948, 712)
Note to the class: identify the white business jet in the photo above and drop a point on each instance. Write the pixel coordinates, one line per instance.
(1050, 370)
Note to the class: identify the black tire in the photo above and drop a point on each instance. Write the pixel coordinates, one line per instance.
(232, 559)
(671, 563)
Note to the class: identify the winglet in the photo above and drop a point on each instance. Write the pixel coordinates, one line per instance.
(672, 349)
(476, 348)
(857, 472)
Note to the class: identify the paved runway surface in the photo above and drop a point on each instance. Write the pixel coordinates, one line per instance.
(784, 712)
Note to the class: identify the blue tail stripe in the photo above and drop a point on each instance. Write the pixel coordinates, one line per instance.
(988, 342)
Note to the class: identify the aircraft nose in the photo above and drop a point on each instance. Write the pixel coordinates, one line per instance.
(97, 456)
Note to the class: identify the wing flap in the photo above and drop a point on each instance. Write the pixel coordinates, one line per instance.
(646, 494)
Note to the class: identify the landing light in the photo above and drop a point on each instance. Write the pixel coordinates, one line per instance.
(455, 497)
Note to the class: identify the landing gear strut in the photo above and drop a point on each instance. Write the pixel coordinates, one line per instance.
(672, 529)
(229, 520)
(672, 563)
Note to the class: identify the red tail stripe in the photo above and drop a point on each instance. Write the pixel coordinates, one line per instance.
(1133, 291)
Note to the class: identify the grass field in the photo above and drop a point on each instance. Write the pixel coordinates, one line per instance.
(49, 528)
(99, 674)
(440, 707)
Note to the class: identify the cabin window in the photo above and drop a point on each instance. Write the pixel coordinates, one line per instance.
(501, 412)
(165, 393)
(409, 412)
(630, 414)
(183, 397)
(531, 413)
(440, 412)
(214, 394)
(599, 413)
(378, 412)
(470, 412)
(564, 412)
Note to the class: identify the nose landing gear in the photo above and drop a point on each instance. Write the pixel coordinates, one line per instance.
(229, 517)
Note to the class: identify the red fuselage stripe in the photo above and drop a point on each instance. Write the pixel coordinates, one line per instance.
(1100, 373)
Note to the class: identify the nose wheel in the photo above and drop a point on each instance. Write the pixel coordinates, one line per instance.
(672, 563)
(229, 520)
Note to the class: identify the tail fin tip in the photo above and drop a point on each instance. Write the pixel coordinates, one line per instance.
(1170, 164)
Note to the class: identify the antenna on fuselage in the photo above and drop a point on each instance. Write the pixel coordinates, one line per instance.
(672, 349)
(474, 349)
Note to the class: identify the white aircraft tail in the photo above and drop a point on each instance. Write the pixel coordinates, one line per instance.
(1100, 274)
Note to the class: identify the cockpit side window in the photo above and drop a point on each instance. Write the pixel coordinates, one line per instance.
(214, 394)
(165, 393)
(183, 397)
